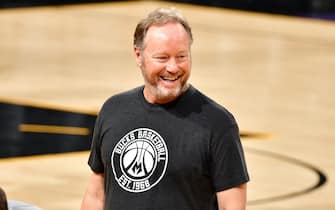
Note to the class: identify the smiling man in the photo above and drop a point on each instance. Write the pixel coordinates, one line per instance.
(165, 61)
(165, 145)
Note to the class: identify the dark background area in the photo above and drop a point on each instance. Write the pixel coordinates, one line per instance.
(306, 8)
(14, 142)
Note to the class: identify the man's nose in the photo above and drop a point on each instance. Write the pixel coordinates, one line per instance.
(172, 66)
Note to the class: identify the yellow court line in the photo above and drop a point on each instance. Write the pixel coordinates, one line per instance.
(55, 129)
(245, 135)
(84, 154)
(37, 128)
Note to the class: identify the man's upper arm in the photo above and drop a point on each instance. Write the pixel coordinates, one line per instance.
(233, 198)
(94, 197)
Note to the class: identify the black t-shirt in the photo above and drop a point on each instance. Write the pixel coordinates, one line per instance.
(166, 157)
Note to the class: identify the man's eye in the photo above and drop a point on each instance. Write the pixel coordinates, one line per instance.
(161, 58)
(182, 57)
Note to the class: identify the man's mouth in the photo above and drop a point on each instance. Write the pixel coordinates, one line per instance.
(170, 79)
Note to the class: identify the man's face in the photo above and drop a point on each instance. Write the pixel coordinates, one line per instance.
(165, 62)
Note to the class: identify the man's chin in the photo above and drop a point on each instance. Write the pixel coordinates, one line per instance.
(169, 93)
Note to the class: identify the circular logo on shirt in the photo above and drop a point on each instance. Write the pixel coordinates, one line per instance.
(139, 160)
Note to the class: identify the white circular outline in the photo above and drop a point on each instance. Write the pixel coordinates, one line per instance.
(165, 164)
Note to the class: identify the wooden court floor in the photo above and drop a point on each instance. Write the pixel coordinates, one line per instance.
(275, 73)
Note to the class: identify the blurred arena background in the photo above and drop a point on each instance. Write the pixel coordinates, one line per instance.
(270, 62)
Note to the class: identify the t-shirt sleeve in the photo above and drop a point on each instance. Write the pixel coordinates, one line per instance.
(228, 166)
(95, 159)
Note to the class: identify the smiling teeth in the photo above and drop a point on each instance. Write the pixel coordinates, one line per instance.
(169, 79)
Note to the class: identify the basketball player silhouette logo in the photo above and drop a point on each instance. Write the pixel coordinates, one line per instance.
(139, 160)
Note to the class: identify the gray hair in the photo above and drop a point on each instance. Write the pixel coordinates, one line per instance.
(159, 16)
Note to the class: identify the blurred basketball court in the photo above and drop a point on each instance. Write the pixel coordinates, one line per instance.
(275, 73)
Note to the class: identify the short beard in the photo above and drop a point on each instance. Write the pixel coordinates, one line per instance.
(164, 93)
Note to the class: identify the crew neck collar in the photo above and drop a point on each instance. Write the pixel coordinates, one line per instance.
(154, 106)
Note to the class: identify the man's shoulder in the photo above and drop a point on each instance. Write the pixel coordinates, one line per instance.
(122, 100)
(214, 111)
(125, 96)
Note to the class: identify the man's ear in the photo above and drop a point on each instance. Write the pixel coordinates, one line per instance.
(138, 56)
